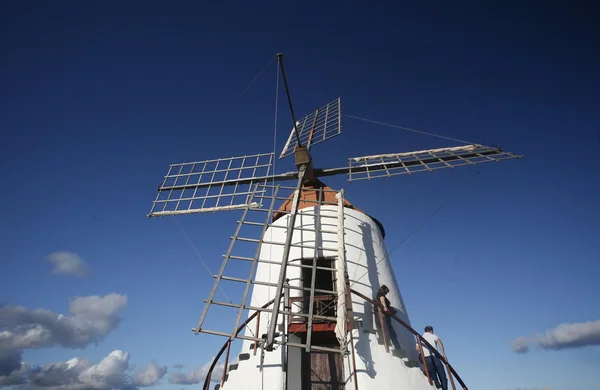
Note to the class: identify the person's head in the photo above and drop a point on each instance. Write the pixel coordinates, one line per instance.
(429, 329)
(384, 289)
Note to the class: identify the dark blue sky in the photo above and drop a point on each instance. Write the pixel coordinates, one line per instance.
(99, 97)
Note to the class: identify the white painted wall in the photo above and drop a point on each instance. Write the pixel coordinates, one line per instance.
(368, 269)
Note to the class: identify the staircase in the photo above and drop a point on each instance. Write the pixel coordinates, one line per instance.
(242, 374)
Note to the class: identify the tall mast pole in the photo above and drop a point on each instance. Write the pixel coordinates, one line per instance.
(287, 92)
(302, 170)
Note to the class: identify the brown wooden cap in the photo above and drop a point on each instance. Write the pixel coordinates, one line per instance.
(309, 194)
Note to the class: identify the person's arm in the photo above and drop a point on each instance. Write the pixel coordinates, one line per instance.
(382, 300)
(441, 345)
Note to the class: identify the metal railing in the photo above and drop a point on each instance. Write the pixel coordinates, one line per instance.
(227, 346)
(420, 341)
(451, 371)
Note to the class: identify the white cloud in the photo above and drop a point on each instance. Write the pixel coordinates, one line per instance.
(149, 376)
(80, 374)
(90, 320)
(574, 335)
(109, 373)
(68, 263)
(198, 375)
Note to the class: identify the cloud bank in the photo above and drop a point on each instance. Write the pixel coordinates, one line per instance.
(90, 319)
(80, 374)
(68, 263)
(564, 336)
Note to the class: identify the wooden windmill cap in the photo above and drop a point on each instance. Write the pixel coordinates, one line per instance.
(309, 197)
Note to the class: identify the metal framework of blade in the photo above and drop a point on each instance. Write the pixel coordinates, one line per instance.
(387, 165)
(319, 126)
(211, 185)
(237, 272)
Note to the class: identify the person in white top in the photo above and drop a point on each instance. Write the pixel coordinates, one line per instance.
(434, 364)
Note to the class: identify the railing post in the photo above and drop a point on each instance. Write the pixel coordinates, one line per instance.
(257, 325)
(207, 387)
(383, 330)
(449, 373)
(350, 327)
(226, 363)
(353, 360)
(424, 361)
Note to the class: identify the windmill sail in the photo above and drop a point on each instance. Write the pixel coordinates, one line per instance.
(319, 126)
(211, 185)
(406, 163)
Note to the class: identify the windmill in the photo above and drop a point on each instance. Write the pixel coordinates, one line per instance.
(308, 306)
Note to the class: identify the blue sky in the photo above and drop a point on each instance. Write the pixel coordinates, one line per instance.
(98, 99)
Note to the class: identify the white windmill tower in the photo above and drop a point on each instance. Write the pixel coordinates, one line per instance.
(306, 314)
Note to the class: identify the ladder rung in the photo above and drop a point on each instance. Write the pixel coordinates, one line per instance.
(291, 344)
(228, 304)
(290, 264)
(323, 203)
(232, 279)
(258, 241)
(303, 213)
(285, 227)
(217, 333)
(239, 257)
(264, 309)
(314, 347)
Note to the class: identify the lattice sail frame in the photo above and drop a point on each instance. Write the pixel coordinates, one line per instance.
(387, 165)
(211, 185)
(319, 126)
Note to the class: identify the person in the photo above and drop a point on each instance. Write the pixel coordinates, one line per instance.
(388, 309)
(434, 364)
